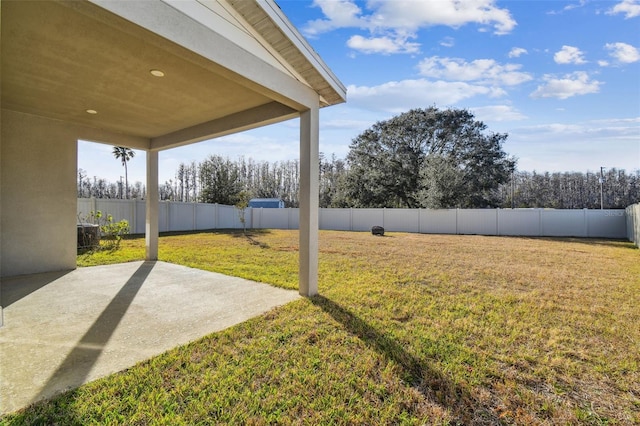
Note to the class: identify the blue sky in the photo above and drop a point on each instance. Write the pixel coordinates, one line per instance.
(562, 78)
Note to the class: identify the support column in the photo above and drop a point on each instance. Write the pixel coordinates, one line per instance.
(309, 201)
(151, 215)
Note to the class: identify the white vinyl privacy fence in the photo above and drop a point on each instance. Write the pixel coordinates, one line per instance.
(523, 222)
(172, 216)
(175, 216)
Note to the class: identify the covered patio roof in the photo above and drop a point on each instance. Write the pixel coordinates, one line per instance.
(148, 75)
(228, 66)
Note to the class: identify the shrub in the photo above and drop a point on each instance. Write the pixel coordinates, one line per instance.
(111, 232)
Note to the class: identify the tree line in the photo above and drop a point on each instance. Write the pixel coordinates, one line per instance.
(92, 186)
(221, 180)
(614, 189)
(560, 190)
(427, 158)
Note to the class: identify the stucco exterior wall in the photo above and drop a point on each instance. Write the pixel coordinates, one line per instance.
(37, 178)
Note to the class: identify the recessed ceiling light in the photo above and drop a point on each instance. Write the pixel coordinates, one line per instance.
(157, 73)
(92, 111)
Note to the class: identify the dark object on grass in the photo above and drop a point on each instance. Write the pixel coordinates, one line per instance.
(88, 236)
(377, 230)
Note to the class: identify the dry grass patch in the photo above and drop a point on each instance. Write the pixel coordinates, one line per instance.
(410, 329)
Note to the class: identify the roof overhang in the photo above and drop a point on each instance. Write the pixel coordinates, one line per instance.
(228, 66)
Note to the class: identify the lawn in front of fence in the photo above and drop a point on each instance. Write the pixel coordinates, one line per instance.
(409, 329)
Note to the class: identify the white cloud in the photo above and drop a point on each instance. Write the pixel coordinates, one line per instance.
(623, 52)
(393, 22)
(557, 128)
(345, 124)
(617, 121)
(630, 9)
(577, 83)
(400, 96)
(575, 6)
(579, 146)
(448, 42)
(568, 8)
(610, 130)
(411, 15)
(486, 71)
(569, 55)
(339, 13)
(384, 45)
(495, 113)
(516, 52)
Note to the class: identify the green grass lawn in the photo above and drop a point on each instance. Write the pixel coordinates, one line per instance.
(409, 329)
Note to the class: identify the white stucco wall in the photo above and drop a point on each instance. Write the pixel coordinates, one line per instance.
(38, 194)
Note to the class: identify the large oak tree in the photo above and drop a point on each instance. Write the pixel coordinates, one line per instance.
(427, 158)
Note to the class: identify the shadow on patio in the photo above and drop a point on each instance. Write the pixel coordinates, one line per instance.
(77, 365)
(63, 330)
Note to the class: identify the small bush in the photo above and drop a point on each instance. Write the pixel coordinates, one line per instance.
(111, 232)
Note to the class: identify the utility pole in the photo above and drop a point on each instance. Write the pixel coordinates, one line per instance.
(601, 192)
(512, 190)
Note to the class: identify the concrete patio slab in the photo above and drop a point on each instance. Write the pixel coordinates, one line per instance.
(65, 329)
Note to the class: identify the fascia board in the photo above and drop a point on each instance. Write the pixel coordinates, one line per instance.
(280, 19)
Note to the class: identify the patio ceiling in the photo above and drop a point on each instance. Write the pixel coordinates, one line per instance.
(61, 59)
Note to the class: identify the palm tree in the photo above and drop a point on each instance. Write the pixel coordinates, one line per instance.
(124, 154)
